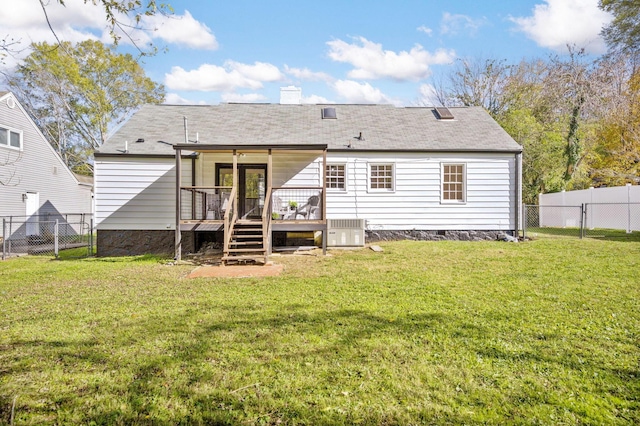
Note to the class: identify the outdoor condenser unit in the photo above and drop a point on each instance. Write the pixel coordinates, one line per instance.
(345, 232)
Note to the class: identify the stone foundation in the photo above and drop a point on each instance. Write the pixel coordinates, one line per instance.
(132, 243)
(373, 236)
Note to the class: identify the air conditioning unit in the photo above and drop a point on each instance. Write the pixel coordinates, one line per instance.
(345, 232)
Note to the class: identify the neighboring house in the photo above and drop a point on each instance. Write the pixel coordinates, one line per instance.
(251, 176)
(34, 181)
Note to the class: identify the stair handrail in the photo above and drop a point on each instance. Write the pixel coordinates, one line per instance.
(229, 222)
(266, 225)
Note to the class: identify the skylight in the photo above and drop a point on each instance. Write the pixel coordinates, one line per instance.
(329, 113)
(444, 113)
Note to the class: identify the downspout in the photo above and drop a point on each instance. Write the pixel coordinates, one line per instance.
(178, 237)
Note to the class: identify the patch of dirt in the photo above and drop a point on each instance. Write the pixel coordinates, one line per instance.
(236, 271)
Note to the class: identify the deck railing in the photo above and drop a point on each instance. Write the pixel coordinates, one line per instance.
(296, 203)
(204, 202)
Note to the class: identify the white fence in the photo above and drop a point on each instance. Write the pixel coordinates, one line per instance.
(605, 208)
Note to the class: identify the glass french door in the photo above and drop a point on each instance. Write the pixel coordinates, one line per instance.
(251, 187)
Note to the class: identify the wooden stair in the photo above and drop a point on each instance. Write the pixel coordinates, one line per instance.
(246, 243)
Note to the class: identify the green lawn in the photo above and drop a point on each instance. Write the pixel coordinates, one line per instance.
(542, 332)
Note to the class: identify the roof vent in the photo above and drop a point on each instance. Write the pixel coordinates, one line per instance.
(444, 113)
(329, 113)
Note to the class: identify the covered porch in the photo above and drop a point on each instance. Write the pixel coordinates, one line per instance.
(247, 193)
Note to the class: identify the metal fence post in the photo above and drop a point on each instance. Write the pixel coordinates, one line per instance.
(10, 231)
(628, 208)
(583, 213)
(524, 222)
(55, 239)
(4, 238)
(65, 240)
(91, 236)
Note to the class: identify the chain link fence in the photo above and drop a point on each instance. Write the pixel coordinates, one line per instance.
(48, 235)
(591, 220)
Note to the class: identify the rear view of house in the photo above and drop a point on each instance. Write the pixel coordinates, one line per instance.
(255, 176)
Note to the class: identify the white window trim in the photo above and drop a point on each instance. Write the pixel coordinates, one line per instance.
(393, 177)
(346, 178)
(464, 183)
(9, 130)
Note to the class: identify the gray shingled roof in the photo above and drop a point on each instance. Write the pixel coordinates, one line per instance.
(383, 127)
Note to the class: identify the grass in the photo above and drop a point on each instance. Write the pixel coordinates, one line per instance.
(543, 332)
(600, 233)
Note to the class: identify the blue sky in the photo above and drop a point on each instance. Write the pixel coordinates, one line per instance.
(336, 51)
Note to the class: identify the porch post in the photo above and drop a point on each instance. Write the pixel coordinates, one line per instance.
(235, 179)
(267, 203)
(178, 240)
(323, 178)
(269, 171)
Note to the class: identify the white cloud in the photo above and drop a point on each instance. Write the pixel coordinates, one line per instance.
(259, 71)
(359, 93)
(306, 74)
(371, 62)
(175, 99)
(78, 20)
(315, 99)
(455, 24)
(423, 29)
(25, 21)
(182, 30)
(557, 23)
(243, 98)
(213, 78)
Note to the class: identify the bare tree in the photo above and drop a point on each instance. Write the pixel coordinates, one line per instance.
(479, 82)
(570, 84)
(8, 169)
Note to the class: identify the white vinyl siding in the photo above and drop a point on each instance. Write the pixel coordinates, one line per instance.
(416, 202)
(140, 193)
(137, 193)
(289, 169)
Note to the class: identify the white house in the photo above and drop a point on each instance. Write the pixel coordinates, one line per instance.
(34, 181)
(250, 175)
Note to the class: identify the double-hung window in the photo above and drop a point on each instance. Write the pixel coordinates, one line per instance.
(336, 177)
(381, 177)
(454, 178)
(10, 137)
